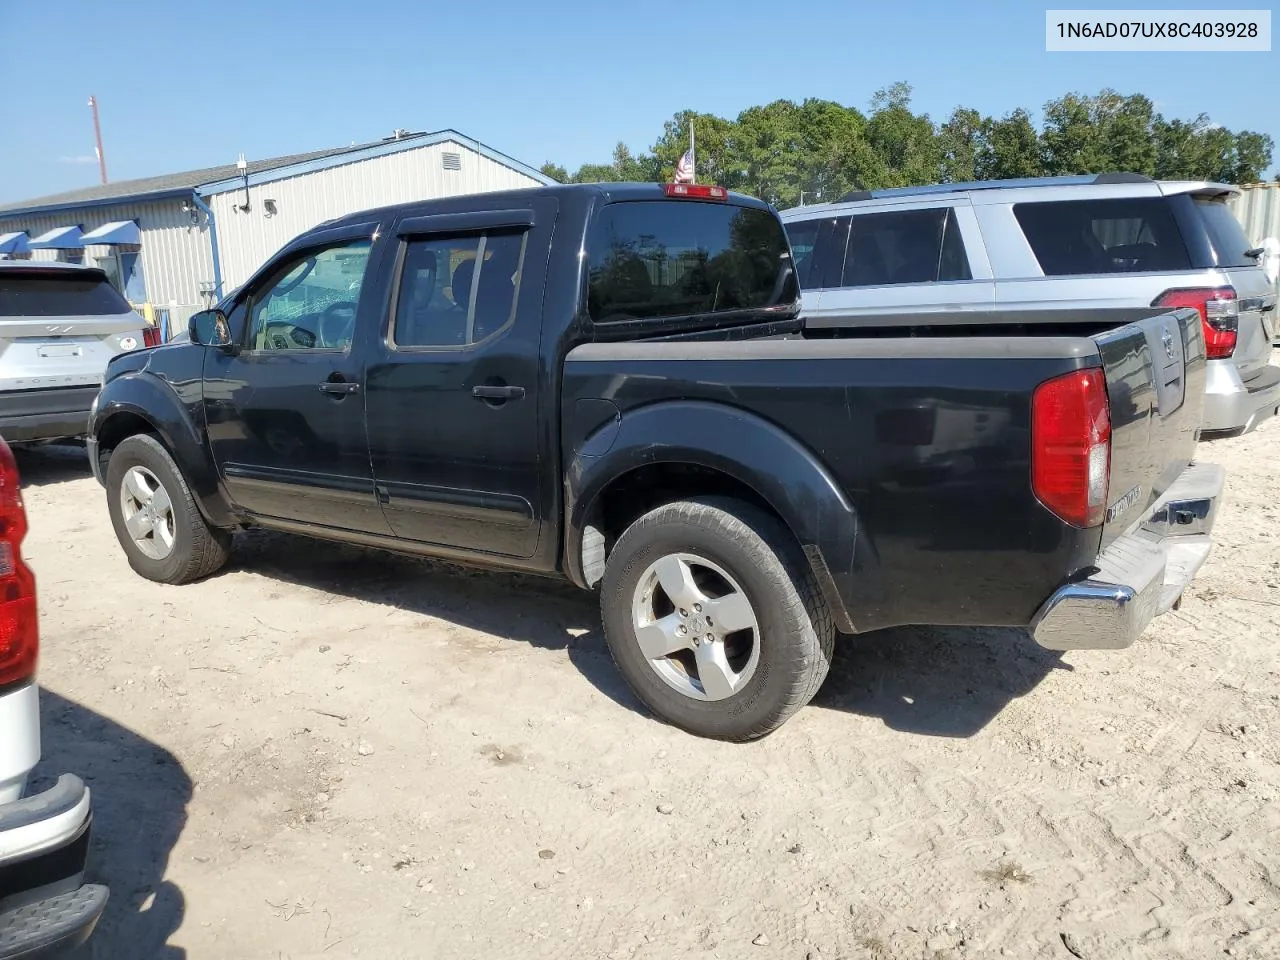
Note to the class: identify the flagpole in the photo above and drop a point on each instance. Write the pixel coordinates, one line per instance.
(693, 156)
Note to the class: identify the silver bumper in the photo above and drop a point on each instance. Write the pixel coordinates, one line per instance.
(1141, 574)
(1232, 407)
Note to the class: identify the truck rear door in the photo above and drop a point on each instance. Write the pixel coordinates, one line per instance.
(454, 396)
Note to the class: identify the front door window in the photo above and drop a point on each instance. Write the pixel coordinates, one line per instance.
(310, 302)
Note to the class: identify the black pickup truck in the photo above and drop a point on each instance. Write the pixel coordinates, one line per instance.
(609, 383)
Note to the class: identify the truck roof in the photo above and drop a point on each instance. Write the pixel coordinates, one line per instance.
(609, 192)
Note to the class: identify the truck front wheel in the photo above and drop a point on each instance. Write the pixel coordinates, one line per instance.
(715, 619)
(155, 517)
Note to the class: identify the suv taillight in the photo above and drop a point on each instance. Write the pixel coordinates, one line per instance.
(1219, 315)
(19, 634)
(1071, 446)
(151, 336)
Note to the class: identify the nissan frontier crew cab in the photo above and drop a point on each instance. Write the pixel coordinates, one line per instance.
(610, 383)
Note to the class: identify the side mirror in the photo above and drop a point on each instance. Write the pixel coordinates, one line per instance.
(210, 328)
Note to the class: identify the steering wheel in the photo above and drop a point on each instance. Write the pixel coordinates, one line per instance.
(336, 323)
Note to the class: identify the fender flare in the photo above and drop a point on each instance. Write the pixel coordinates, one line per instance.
(783, 472)
(153, 400)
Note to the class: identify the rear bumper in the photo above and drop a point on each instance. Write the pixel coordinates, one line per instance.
(1141, 574)
(1232, 407)
(44, 841)
(53, 414)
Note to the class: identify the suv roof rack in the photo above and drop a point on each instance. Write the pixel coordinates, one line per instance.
(1085, 180)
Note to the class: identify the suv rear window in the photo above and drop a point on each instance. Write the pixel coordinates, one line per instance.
(655, 259)
(1076, 237)
(51, 293)
(905, 246)
(1226, 236)
(902, 246)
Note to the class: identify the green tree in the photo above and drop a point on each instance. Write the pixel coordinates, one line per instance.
(554, 171)
(962, 142)
(643, 168)
(595, 173)
(1107, 133)
(715, 149)
(1253, 156)
(1011, 148)
(905, 143)
(820, 150)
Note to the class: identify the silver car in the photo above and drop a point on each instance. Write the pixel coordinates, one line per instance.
(59, 325)
(1049, 255)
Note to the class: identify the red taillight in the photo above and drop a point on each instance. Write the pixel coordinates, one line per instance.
(19, 636)
(1219, 315)
(696, 191)
(151, 336)
(1071, 446)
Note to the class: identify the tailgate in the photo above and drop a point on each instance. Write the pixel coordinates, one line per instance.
(41, 352)
(1155, 371)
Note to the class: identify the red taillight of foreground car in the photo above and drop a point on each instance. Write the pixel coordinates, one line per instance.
(151, 336)
(19, 632)
(1071, 446)
(1219, 315)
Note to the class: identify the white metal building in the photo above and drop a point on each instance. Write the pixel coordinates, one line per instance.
(175, 242)
(1257, 207)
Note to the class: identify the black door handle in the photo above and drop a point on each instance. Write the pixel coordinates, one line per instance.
(496, 392)
(339, 388)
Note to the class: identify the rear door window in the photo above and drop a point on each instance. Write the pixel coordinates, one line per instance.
(55, 293)
(665, 259)
(456, 291)
(818, 246)
(906, 246)
(1226, 236)
(1080, 237)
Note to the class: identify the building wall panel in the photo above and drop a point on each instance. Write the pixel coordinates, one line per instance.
(176, 255)
(247, 239)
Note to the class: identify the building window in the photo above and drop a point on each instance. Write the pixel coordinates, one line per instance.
(451, 161)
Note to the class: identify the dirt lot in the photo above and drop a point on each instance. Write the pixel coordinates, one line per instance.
(330, 752)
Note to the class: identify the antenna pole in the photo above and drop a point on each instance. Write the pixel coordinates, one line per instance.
(97, 137)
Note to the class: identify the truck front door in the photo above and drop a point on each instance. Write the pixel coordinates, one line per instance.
(285, 412)
(454, 390)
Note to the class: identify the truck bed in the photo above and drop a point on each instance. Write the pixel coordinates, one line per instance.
(927, 439)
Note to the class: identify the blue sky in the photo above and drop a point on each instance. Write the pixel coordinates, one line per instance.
(183, 85)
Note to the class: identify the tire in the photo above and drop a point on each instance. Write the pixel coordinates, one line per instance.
(194, 549)
(793, 636)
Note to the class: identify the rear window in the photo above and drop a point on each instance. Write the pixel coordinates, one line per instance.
(1076, 237)
(1226, 236)
(907, 246)
(818, 248)
(654, 259)
(51, 294)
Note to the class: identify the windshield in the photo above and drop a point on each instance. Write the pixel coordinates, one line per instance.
(661, 259)
(57, 293)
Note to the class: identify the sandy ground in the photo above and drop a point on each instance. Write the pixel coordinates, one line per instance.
(331, 752)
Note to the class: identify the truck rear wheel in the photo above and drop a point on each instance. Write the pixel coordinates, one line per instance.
(715, 619)
(156, 519)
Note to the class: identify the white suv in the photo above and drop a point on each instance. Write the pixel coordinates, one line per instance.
(44, 907)
(1058, 254)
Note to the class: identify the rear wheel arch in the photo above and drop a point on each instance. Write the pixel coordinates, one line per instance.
(677, 451)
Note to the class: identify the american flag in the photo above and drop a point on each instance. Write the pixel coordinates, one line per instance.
(684, 169)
